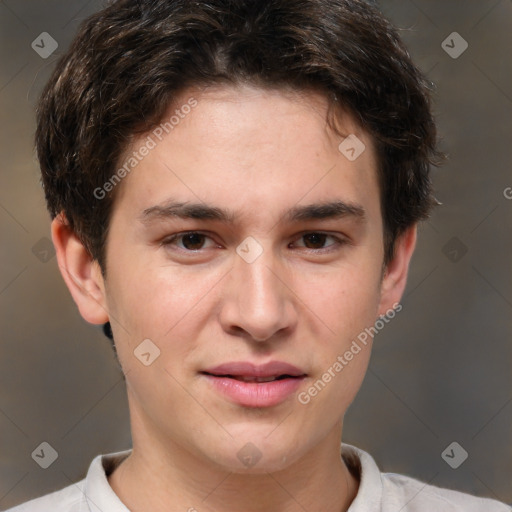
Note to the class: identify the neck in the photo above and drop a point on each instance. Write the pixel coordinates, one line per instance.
(154, 478)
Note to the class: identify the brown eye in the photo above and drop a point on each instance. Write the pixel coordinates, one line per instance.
(318, 241)
(191, 241)
(315, 240)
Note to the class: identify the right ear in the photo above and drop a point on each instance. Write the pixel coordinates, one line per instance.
(80, 271)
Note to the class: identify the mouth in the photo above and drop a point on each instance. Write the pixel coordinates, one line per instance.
(250, 372)
(251, 385)
(257, 380)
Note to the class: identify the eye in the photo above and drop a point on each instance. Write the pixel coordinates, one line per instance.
(316, 241)
(195, 241)
(190, 241)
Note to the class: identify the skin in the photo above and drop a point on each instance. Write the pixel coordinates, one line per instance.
(257, 153)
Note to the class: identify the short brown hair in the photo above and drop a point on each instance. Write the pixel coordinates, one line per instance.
(130, 59)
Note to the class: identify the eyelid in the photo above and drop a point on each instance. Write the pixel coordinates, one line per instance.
(168, 240)
(339, 241)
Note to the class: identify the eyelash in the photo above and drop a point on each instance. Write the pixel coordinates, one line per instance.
(338, 242)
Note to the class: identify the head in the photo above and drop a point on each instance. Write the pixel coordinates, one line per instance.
(228, 119)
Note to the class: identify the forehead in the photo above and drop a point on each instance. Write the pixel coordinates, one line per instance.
(249, 147)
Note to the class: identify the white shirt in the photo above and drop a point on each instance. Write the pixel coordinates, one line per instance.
(378, 492)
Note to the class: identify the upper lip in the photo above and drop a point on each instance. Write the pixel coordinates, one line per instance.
(247, 369)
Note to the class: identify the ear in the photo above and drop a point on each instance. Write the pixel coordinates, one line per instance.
(81, 273)
(395, 274)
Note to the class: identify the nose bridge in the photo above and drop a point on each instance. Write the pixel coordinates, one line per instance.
(259, 301)
(260, 289)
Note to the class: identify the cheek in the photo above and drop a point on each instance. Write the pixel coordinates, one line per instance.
(342, 351)
(344, 300)
(165, 304)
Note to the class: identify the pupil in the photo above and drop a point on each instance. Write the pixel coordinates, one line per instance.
(193, 239)
(315, 239)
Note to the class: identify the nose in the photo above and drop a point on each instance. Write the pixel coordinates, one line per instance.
(258, 302)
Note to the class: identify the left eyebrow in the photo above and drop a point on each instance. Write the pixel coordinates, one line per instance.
(327, 210)
(336, 209)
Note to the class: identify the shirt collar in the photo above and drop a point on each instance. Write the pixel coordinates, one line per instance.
(369, 494)
(100, 497)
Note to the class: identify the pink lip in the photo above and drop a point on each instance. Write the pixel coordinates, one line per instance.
(244, 369)
(255, 394)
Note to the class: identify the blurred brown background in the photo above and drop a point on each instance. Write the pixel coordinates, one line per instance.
(441, 370)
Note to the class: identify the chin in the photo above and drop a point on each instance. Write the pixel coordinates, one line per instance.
(269, 463)
(256, 454)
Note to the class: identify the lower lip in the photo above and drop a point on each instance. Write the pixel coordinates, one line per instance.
(256, 394)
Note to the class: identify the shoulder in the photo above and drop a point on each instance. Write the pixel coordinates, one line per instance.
(91, 493)
(391, 492)
(69, 499)
(417, 496)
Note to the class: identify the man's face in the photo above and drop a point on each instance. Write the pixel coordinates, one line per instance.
(275, 282)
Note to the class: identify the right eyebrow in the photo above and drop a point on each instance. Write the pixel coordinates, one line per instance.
(187, 211)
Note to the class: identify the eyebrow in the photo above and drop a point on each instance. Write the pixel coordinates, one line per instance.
(336, 209)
